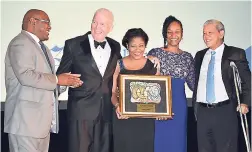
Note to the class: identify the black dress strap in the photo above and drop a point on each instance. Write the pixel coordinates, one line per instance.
(121, 64)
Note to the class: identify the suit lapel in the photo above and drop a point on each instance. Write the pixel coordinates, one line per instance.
(40, 51)
(85, 46)
(51, 58)
(112, 53)
(199, 63)
(225, 66)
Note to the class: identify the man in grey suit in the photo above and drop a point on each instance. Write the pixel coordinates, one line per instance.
(31, 107)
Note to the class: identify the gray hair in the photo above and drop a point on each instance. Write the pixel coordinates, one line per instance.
(218, 24)
(107, 12)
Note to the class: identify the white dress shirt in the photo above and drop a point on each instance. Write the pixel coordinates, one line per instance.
(54, 119)
(36, 39)
(100, 55)
(219, 88)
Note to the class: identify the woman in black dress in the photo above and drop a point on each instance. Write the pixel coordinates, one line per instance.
(133, 134)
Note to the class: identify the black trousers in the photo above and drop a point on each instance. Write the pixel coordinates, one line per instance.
(217, 128)
(89, 136)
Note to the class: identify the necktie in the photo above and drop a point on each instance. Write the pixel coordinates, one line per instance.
(210, 94)
(102, 44)
(54, 124)
(42, 45)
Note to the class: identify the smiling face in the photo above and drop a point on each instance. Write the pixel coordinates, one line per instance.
(212, 37)
(41, 26)
(174, 34)
(101, 25)
(136, 48)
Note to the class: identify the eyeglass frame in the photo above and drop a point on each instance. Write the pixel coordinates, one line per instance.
(44, 21)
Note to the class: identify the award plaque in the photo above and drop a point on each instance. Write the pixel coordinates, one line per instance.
(145, 96)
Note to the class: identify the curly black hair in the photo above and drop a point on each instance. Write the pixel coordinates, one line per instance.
(133, 33)
(166, 24)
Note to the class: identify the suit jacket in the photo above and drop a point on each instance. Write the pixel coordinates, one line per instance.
(30, 86)
(236, 55)
(93, 98)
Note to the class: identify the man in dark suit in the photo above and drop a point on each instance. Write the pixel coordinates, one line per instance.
(214, 95)
(94, 56)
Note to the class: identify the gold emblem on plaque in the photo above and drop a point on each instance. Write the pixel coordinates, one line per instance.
(143, 92)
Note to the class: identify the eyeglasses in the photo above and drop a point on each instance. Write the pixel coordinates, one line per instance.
(44, 21)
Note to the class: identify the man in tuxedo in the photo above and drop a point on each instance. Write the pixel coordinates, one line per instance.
(31, 107)
(214, 94)
(94, 56)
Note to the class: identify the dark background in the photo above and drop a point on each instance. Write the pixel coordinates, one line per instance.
(58, 142)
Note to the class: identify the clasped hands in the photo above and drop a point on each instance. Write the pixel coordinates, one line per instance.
(68, 79)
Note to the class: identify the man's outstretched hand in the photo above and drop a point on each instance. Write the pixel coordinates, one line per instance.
(68, 79)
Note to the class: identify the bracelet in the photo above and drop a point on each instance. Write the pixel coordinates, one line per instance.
(116, 105)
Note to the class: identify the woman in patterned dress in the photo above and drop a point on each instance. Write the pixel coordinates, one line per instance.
(170, 135)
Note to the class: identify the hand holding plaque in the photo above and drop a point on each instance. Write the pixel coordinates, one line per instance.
(119, 114)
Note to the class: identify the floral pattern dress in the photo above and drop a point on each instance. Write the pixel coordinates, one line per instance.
(171, 135)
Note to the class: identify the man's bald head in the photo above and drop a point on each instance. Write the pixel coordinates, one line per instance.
(38, 23)
(30, 14)
(102, 24)
(109, 15)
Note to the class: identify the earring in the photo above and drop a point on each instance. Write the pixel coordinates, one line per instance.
(166, 44)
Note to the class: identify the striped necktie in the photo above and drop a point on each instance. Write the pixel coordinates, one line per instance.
(42, 45)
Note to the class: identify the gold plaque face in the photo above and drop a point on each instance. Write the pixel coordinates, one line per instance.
(145, 96)
(146, 107)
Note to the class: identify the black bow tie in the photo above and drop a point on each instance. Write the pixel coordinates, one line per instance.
(102, 44)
